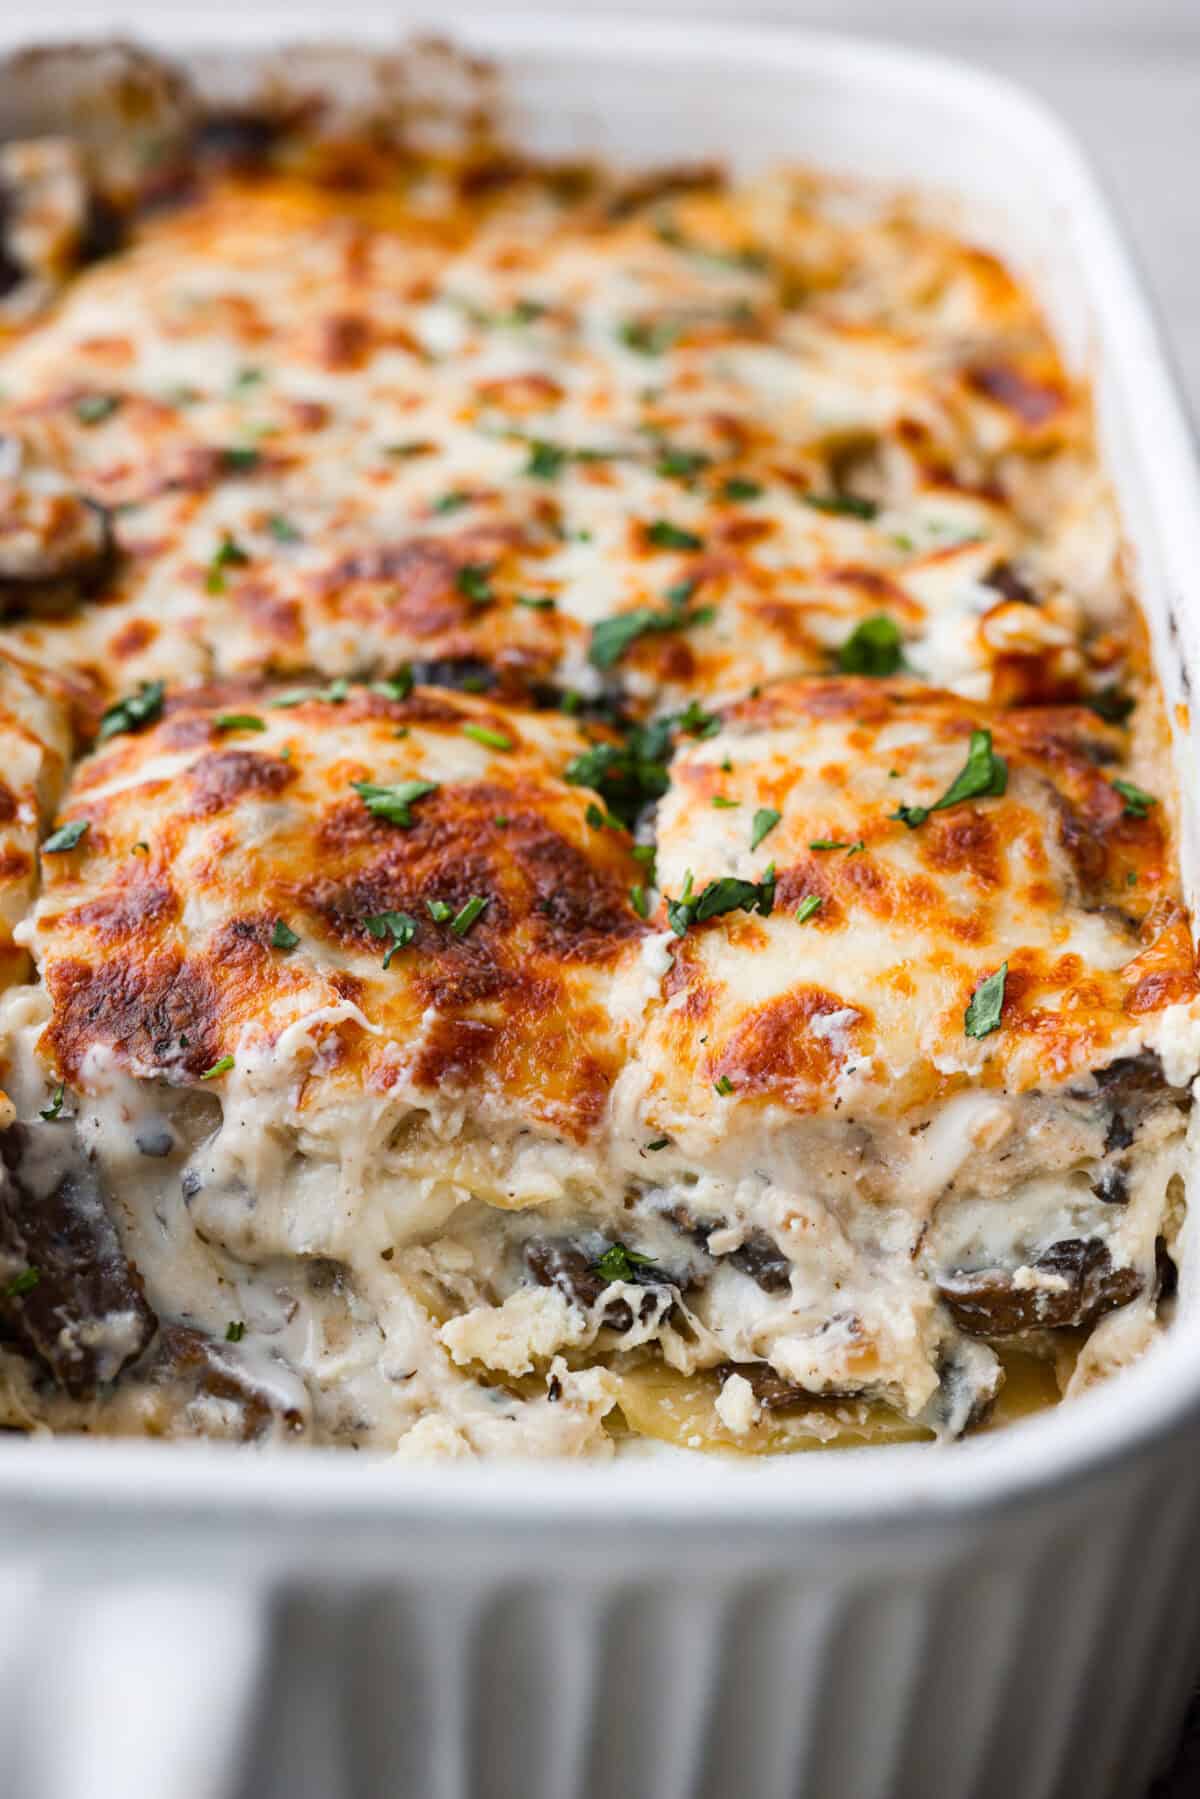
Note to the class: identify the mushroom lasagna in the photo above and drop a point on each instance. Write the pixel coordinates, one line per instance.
(585, 851)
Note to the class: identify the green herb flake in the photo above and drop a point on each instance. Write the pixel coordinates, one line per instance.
(810, 904)
(546, 460)
(984, 775)
(738, 488)
(453, 501)
(829, 843)
(765, 820)
(399, 926)
(54, 1109)
(681, 465)
(492, 740)
(721, 804)
(982, 1015)
(247, 377)
(134, 711)
(647, 337)
(393, 801)
(1137, 801)
(658, 1143)
(235, 1332)
(413, 446)
(22, 1283)
(666, 536)
(283, 937)
(239, 721)
(66, 837)
(618, 1263)
(611, 637)
(220, 1067)
(841, 505)
(725, 895)
(472, 581)
(439, 911)
(462, 921)
(723, 1085)
(334, 695)
(282, 529)
(1112, 705)
(397, 687)
(537, 602)
(874, 647)
(639, 899)
(228, 554)
(93, 409)
(240, 459)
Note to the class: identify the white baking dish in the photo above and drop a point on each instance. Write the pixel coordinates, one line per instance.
(1016, 1616)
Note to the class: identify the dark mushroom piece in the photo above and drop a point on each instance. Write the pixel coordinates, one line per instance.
(68, 1295)
(986, 1302)
(190, 1367)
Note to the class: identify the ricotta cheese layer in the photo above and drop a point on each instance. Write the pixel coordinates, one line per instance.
(606, 851)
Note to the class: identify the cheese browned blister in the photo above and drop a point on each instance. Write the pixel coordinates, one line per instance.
(611, 867)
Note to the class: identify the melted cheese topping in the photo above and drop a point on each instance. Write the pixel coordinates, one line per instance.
(752, 1051)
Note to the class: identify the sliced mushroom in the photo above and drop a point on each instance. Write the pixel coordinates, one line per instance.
(1070, 1284)
(68, 1296)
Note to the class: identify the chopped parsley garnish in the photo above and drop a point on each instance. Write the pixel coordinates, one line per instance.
(396, 925)
(721, 804)
(737, 488)
(93, 409)
(666, 536)
(239, 721)
(618, 1263)
(696, 721)
(439, 911)
(53, 1110)
(397, 686)
(649, 337)
(283, 937)
(681, 465)
(22, 1283)
(247, 377)
(746, 258)
(982, 1015)
(451, 502)
(725, 895)
(842, 505)
(810, 904)
(239, 459)
(723, 1085)
(393, 801)
(282, 529)
(546, 460)
(639, 899)
(472, 581)
(658, 1143)
(235, 1332)
(874, 647)
(1112, 705)
(537, 602)
(462, 921)
(837, 843)
(627, 775)
(601, 820)
(984, 775)
(220, 1067)
(228, 554)
(492, 740)
(611, 637)
(1137, 802)
(334, 694)
(65, 838)
(413, 446)
(765, 820)
(134, 711)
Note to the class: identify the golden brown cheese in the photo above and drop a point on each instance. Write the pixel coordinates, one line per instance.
(337, 432)
(854, 990)
(235, 823)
